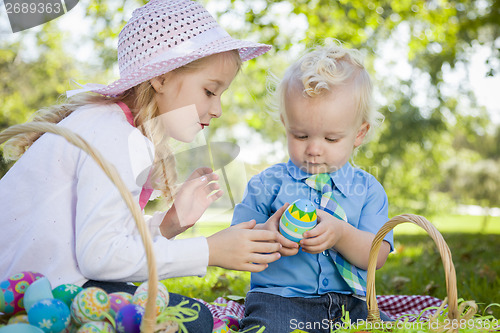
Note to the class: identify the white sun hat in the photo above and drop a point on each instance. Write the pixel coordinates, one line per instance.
(164, 35)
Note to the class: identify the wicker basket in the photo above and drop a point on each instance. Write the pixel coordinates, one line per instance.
(148, 324)
(449, 269)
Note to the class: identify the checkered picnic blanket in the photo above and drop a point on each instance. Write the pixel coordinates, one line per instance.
(397, 306)
(393, 305)
(222, 306)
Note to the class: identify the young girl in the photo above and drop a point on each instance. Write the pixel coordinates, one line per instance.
(326, 108)
(62, 216)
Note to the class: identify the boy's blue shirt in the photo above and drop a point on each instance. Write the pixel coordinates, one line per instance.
(308, 275)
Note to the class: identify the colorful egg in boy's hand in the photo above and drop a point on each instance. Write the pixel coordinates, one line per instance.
(299, 217)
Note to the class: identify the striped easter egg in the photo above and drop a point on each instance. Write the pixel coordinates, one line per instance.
(299, 217)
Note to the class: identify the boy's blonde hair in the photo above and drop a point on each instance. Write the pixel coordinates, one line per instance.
(164, 174)
(323, 68)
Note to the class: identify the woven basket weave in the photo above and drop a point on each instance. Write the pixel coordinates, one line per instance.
(449, 269)
(148, 324)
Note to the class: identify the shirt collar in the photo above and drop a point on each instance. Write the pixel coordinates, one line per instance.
(342, 178)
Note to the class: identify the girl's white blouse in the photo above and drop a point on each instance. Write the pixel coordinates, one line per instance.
(61, 216)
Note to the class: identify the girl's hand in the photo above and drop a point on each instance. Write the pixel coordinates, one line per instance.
(191, 201)
(242, 248)
(288, 247)
(325, 235)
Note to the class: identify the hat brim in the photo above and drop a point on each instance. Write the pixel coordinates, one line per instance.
(248, 50)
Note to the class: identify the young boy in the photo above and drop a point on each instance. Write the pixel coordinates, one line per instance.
(326, 107)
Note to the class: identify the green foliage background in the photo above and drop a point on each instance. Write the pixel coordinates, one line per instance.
(422, 150)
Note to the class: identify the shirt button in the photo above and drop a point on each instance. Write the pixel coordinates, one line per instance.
(325, 253)
(325, 282)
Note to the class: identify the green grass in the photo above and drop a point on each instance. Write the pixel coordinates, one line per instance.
(455, 224)
(414, 268)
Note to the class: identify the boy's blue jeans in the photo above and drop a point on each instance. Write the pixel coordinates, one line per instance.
(285, 314)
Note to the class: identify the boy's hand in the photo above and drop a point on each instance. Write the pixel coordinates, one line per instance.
(288, 247)
(191, 201)
(324, 236)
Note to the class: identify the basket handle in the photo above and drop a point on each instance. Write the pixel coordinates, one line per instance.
(444, 250)
(149, 318)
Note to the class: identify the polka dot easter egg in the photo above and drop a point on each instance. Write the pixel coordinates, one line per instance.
(124, 295)
(51, 315)
(118, 300)
(141, 299)
(162, 299)
(91, 304)
(12, 291)
(299, 217)
(162, 291)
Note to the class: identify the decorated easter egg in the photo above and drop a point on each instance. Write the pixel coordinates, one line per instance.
(141, 299)
(128, 319)
(162, 291)
(124, 295)
(20, 328)
(66, 293)
(117, 301)
(220, 326)
(51, 315)
(37, 291)
(162, 298)
(91, 304)
(12, 291)
(299, 217)
(96, 327)
(19, 318)
(231, 321)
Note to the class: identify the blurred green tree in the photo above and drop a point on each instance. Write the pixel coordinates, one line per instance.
(433, 36)
(416, 140)
(473, 175)
(31, 81)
